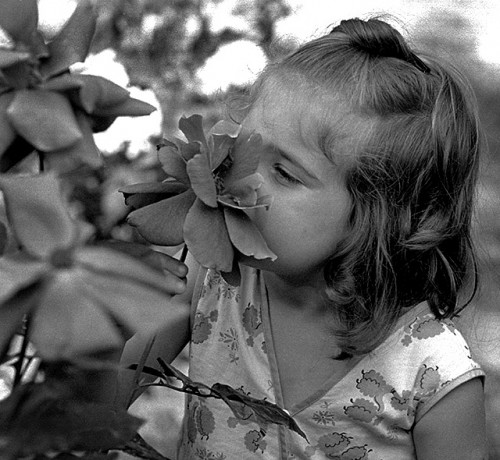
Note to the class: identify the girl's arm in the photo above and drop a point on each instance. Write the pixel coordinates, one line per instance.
(455, 427)
(169, 340)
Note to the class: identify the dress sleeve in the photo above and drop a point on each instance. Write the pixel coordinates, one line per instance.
(449, 365)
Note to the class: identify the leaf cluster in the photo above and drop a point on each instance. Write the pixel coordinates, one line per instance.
(243, 406)
(68, 300)
(43, 105)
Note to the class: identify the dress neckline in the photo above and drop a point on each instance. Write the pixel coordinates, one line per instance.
(331, 383)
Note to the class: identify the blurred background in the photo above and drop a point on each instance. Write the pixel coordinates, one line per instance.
(187, 56)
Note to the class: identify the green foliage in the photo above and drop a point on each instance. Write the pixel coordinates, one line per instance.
(243, 406)
(42, 417)
(44, 107)
(70, 295)
(74, 301)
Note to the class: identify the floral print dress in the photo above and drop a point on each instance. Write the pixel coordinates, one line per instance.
(368, 414)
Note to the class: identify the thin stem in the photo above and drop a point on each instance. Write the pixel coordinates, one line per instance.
(183, 389)
(18, 366)
(41, 163)
(184, 253)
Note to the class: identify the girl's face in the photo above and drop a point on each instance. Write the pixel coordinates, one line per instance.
(309, 213)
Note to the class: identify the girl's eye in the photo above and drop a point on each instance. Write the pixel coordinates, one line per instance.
(283, 175)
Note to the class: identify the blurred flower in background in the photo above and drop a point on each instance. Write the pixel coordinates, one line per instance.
(129, 134)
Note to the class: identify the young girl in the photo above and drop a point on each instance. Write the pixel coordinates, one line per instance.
(371, 156)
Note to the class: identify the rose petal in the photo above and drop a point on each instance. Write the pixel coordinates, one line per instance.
(225, 128)
(188, 151)
(140, 195)
(246, 154)
(245, 236)
(202, 181)
(173, 163)
(222, 137)
(220, 147)
(245, 190)
(192, 127)
(161, 223)
(230, 201)
(206, 236)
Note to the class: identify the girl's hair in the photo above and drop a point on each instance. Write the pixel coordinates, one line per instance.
(411, 179)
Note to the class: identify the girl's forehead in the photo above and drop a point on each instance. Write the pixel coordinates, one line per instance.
(322, 120)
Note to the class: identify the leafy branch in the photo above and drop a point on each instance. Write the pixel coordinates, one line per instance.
(243, 406)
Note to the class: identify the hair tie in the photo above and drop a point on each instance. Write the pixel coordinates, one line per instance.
(379, 39)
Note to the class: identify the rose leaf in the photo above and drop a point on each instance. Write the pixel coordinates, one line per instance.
(19, 18)
(129, 108)
(72, 44)
(84, 151)
(7, 132)
(68, 323)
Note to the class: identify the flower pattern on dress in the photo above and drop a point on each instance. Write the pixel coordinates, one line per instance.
(230, 339)
(424, 328)
(254, 441)
(202, 327)
(252, 322)
(201, 420)
(338, 446)
(324, 417)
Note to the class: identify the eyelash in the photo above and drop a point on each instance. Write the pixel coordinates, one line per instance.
(284, 175)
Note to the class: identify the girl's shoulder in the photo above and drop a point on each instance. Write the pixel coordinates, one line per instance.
(425, 356)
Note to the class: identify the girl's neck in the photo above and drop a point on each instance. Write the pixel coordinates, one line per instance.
(296, 293)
